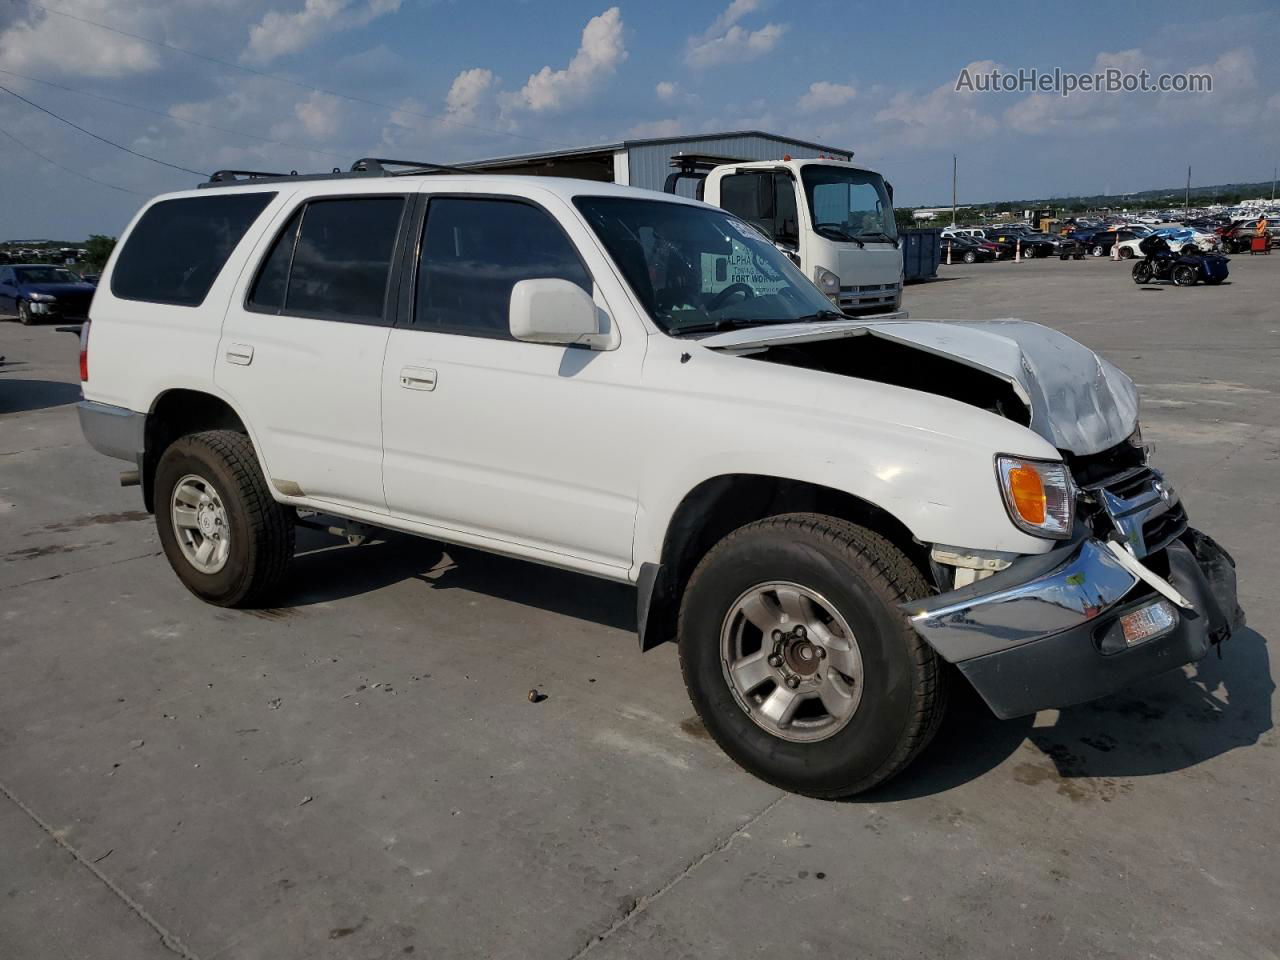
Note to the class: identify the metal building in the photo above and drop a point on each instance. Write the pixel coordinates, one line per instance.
(646, 163)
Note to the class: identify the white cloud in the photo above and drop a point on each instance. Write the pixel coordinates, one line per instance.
(824, 94)
(279, 34)
(666, 90)
(601, 51)
(468, 90)
(726, 41)
(942, 113)
(319, 115)
(39, 42)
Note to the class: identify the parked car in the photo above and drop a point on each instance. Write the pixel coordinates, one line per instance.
(1062, 247)
(92, 278)
(1030, 246)
(39, 292)
(1100, 243)
(822, 511)
(960, 249)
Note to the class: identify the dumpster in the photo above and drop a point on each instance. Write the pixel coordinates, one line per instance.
(921, 252)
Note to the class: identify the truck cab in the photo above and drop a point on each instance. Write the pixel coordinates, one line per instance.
(833, 218)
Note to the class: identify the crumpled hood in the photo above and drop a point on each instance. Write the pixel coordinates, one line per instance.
(1079, 402)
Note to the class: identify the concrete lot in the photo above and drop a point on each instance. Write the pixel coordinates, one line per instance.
(359, 773)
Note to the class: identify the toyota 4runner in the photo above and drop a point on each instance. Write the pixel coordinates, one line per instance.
(833, 517)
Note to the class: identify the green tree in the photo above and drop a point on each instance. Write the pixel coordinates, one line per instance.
(98, 249)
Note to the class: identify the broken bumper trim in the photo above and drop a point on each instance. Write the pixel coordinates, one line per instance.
(1031, 637)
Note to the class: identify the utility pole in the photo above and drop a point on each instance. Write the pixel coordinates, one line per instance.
(953, 190)
(1186, 202)
(1273, 184)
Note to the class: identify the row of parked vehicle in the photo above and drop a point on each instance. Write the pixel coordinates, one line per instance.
(981, 244)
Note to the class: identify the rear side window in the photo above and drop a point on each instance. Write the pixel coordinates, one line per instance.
(475, 251)
(177, 249)
(332, 261)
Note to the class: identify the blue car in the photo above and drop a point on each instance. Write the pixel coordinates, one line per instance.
(39, 291)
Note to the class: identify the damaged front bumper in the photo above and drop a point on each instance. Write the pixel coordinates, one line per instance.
(1047, 631)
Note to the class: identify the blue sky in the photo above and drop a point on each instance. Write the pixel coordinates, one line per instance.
(449, 81)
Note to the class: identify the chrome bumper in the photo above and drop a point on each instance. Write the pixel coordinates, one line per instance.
(1043, 633)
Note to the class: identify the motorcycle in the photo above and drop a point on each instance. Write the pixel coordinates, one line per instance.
(1159, 263)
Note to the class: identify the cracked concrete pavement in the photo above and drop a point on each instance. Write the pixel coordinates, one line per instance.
(358, 772)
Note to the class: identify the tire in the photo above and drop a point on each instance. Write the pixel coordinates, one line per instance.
(258, 533)
(970, 256)
(1126, 253)
(862, 578)
(24, 313)
(1185, 276)
(1077, 256)
(1099, 250)
(1142, 272)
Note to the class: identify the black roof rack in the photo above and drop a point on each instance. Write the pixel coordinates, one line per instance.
(364, 167)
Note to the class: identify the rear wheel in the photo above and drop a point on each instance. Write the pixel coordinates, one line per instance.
(798, 660)
(970, 256)
(1184, 275)
(228, 541)
(24, 313)
(1126, 253)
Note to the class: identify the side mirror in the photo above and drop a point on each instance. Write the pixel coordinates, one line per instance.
(555, 311)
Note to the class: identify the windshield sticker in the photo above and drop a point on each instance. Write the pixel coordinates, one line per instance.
(720, 272)
(749, 232)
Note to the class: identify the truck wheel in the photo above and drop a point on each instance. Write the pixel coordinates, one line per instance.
(24, 313)
(798, 661)
(228, 541)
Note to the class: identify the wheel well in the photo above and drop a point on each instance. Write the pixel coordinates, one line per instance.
(175, 414)
(718, 506)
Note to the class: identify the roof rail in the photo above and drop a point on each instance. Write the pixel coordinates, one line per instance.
(230, 176)
(379, 165)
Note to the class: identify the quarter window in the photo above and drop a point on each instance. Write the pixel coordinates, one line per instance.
(178, 247)
(475, 250)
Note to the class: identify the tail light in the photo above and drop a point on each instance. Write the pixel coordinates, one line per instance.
(84, 352)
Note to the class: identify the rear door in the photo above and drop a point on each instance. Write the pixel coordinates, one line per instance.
(303, 341)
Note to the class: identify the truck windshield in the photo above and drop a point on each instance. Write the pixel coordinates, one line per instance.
(699, 269)
(848, 204)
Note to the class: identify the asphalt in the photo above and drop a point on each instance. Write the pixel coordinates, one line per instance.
(359, 772)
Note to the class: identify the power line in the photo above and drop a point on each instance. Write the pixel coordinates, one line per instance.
(172, 116)
(77, 173)
(293, 83)
(118, 146)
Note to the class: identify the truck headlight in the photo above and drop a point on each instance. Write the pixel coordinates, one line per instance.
(1038, 494)
(827, 282)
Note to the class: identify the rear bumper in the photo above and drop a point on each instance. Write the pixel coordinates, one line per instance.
(115, 431)
(1046, 633)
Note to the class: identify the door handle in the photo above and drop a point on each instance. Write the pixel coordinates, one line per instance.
(240, 353)
(417, 378)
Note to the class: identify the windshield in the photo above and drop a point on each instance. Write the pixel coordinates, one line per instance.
(697, 268)
(45, 275)
(847, 203)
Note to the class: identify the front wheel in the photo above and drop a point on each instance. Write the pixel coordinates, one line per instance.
(24, 313)
(226, 538)
(1099, 250)
(1126, 253)
(798, 660)
(970, 256)
(1184, 276)
(1142, 272)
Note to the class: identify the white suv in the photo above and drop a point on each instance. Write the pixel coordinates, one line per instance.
(826, 513)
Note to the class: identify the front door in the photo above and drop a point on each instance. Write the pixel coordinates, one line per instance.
(520, 443)
(302, 347)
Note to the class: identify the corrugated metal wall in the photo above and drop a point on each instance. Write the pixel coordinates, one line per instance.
(649, 164)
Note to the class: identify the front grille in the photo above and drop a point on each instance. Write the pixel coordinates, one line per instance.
(868, 295)
(1122, 494)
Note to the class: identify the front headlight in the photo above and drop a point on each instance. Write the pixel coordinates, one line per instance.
(1038, 494)
(42, 297)
(827, 282)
